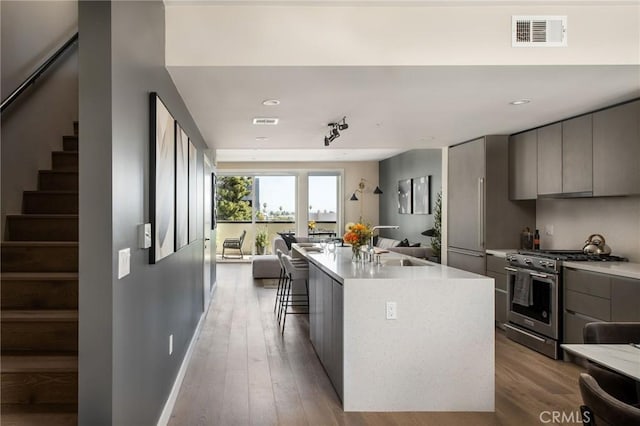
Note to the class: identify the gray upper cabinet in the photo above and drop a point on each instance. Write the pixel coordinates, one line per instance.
(523, 154)
(616, 150)
(550, 159)
(577, 155)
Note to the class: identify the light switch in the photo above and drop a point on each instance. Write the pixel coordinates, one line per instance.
(144, 235)
(124, 262)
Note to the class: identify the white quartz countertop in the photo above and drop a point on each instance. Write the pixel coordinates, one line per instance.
(339, 265)
(621, 269)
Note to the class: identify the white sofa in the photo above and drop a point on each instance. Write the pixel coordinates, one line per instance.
(392, 245)
(268, 266)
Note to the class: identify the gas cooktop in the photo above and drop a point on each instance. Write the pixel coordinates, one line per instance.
(572, 256)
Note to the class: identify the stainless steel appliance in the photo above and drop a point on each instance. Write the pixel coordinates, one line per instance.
(480, 214)
(534, 296)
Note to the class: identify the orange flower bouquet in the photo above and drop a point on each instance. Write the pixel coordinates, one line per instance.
(357, 235)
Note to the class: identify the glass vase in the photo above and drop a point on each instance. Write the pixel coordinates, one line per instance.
(356, 254)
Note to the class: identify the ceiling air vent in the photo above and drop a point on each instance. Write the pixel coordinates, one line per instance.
(265, 121)
(538, 31)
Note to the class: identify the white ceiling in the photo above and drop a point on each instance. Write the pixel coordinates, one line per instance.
(388, 109)
(404, 77)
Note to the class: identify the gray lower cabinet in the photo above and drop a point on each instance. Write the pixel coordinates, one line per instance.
(625, 299)
(326, 323)
(467, 261)
(591, 297)
(523, 154)
(495, 270)
(616, 150)
(577, 155)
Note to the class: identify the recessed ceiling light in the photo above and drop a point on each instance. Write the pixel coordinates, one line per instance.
(262, 138)
(520, 102)
(271, 102)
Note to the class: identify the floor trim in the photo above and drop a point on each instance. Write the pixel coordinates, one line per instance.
(175, 390)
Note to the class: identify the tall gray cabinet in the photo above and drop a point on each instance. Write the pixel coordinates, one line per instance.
(480, 214)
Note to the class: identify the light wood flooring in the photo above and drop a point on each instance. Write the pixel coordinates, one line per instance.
(244, 372)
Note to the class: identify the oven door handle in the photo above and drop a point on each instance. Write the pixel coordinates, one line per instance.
(518, 330)
(539, 275)
(507, 268)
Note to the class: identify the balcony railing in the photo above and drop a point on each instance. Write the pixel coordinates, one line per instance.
(233, 229)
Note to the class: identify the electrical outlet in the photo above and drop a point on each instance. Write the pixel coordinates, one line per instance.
(170, 344)
(548, 230)
(392, 310)
(124, 262)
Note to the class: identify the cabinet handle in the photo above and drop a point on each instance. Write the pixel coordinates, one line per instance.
(481, 212)
(510, 269)
(536, 274)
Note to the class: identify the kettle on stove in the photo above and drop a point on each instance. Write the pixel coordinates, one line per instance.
(595, 244)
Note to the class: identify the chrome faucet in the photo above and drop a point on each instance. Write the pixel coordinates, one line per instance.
(371, 242)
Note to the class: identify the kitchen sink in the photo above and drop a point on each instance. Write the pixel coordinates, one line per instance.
(402, 262)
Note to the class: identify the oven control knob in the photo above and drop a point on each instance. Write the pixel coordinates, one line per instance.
(544, 314)
(527, 261)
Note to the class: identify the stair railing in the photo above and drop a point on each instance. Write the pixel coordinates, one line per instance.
(38, 72)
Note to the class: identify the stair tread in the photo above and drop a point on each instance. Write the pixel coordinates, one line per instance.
(57, 172)
(39, 363)
(50, 191)
(43, 216)
(37, 276)
(37, 408)
(51, 315)
(40, 243)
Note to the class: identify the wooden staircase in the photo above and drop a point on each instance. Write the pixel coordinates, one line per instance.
(39, 299)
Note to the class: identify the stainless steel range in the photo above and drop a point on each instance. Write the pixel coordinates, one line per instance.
(534, 289)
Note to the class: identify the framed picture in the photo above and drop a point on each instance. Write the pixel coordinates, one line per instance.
(421, 195)
(193, 192)
(214, 201)
(404, 196)
(162, 180)
(182, 187)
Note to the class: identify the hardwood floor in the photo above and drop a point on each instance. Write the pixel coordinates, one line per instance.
(244, 372)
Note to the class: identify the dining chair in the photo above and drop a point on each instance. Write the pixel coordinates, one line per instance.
(620, 387)
(602, 409)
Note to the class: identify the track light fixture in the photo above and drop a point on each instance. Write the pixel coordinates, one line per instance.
(334, 131)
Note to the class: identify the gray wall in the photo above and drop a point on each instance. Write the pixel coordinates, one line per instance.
(34, 124)
(415, 163)
(126, 372)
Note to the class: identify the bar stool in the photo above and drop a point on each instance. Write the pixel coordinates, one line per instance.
(293, 271)
(283, 277)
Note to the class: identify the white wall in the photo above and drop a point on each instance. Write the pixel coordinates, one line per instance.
(34, 125)
(573, 220)
(353, 172)
(392, 35)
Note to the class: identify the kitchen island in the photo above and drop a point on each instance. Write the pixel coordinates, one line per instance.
(436, 355)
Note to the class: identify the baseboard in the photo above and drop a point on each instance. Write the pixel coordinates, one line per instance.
(173, 396)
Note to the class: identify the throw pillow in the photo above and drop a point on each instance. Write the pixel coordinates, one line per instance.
(288, 239)
(403, 243)
(415, 245)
